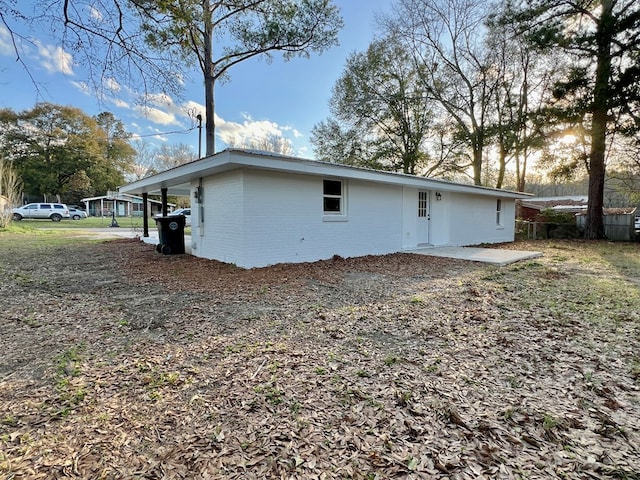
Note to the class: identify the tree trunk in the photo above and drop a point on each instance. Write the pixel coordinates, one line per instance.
(502, 165)
(594, 228)
(477, 161)
(208, 69)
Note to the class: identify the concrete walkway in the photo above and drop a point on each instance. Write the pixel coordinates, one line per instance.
(494, 256)
(121, 232)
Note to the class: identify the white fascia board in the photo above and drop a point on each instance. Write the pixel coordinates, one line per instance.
(312, 167)
(178, 179)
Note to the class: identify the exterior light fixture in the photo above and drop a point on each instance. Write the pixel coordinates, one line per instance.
(438, 196)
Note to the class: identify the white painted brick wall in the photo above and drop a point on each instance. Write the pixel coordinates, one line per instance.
(256, 218)
(285, 221)
(473, 220)
(223, 237)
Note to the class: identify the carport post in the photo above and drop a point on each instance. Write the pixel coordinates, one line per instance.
(145, 214)
(165, 210)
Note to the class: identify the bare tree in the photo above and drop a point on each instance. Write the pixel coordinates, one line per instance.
(239, 31)
(10, 191)
(150, 160)
(447, 38)
(270, 143)
(602, 38)
(518, 130)
(170, 156)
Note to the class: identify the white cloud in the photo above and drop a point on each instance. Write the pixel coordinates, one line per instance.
(194, 108)
(111, 84)
(95, 14)
(296, 133)
(120, 103)
(82, 86)
(233, 133)
(55, 59)
(158, 116)
(6, 47)
(160, 108)
(159, 99)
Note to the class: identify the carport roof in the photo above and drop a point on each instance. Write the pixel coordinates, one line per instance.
(178, 180)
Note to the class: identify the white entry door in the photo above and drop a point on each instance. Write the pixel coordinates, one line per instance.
(423, 217)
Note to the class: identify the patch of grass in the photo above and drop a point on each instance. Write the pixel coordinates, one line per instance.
(157, 379)
(70, 389)
(403, 398)
(271, 392)
(30, 320)
(9, 420)
(91, 222)
(68, 362)
(391, 360)
(514, 382)
(434, 366)
(549, 422)
(525, 266)
(295, 406)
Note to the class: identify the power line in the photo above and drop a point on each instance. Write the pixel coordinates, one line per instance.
(167, 133)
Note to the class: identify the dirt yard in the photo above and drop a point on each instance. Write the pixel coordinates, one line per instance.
(120, 363)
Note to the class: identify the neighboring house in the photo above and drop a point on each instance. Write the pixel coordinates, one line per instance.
(122, 204)
(618, 222)
(255, 209)
(531, 207)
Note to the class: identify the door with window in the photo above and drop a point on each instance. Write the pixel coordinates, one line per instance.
(423, 218)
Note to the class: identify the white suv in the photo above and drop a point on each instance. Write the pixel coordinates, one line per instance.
(52, 211)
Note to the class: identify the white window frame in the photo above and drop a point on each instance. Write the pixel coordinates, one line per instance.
(335, 216)
(499, 212)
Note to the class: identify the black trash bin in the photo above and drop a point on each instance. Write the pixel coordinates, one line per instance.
(170, 234)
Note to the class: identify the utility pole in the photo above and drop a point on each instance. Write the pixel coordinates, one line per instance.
(199, 118)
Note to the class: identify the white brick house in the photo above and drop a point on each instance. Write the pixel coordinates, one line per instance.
(255, 209)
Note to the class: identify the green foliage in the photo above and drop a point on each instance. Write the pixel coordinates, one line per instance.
(554, 216)
(382, 113)
(61, 152)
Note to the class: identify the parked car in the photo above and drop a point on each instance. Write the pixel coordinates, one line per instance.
(180, 211)
(76, 213)
(183, 211)
(51, 211)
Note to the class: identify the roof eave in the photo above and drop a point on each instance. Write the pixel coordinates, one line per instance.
(177, 180)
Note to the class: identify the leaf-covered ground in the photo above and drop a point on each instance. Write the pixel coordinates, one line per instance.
(119, 363)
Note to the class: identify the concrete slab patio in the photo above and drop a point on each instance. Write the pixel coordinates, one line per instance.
(494, 256)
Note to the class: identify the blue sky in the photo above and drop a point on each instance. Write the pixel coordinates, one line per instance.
(284, 98)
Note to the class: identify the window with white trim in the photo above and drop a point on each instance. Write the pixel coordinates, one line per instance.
(499, 212)
(332, 197)
(423, 204)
